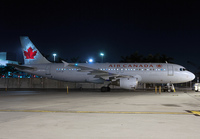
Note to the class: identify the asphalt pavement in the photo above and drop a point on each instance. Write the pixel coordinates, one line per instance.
(93, 114)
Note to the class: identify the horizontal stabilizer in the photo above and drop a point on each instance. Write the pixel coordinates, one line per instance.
(21, 67)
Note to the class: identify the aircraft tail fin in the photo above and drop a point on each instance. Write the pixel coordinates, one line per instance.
(31, 53)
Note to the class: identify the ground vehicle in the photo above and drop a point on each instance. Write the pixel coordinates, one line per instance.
(197, 87)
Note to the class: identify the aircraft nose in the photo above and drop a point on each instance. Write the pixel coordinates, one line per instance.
(191, 76)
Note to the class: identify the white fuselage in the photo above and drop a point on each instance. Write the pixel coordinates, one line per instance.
(144, 72)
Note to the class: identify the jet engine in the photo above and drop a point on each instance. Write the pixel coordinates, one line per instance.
(126, 83)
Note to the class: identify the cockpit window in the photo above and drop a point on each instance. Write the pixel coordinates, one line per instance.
(182, 69)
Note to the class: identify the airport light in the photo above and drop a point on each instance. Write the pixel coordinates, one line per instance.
(54, 57)
(91, 60)
(102, 55)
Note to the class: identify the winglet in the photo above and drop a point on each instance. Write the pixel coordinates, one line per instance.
(65, 63)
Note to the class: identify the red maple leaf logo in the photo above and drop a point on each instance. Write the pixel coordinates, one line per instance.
(30, 53)
(159, 66)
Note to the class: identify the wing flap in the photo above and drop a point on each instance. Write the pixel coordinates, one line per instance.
(106, 75)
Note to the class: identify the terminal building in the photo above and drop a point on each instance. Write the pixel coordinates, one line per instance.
(7, 58)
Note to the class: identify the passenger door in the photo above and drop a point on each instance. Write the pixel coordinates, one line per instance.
(48, 70)
(170, 70)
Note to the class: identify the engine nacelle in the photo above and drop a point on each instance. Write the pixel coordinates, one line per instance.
(127, 83)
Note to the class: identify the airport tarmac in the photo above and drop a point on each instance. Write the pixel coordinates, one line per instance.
(93, 114)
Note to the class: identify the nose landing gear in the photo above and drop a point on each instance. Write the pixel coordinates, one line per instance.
(169, 88)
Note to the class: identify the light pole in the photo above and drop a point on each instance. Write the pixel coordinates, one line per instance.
(54, 57)
(102, 55)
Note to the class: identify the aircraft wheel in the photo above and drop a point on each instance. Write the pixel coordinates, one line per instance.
(105, 89)
(108, 89)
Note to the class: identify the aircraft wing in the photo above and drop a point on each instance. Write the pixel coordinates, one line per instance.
(106, 75)
(21, 67)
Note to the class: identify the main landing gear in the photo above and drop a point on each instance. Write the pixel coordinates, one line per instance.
(105, 89)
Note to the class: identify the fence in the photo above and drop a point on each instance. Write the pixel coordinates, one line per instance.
(45, 83)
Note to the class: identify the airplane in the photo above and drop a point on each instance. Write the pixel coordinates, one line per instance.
(124, 75)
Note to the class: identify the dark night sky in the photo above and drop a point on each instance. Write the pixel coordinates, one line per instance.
(117, 28)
